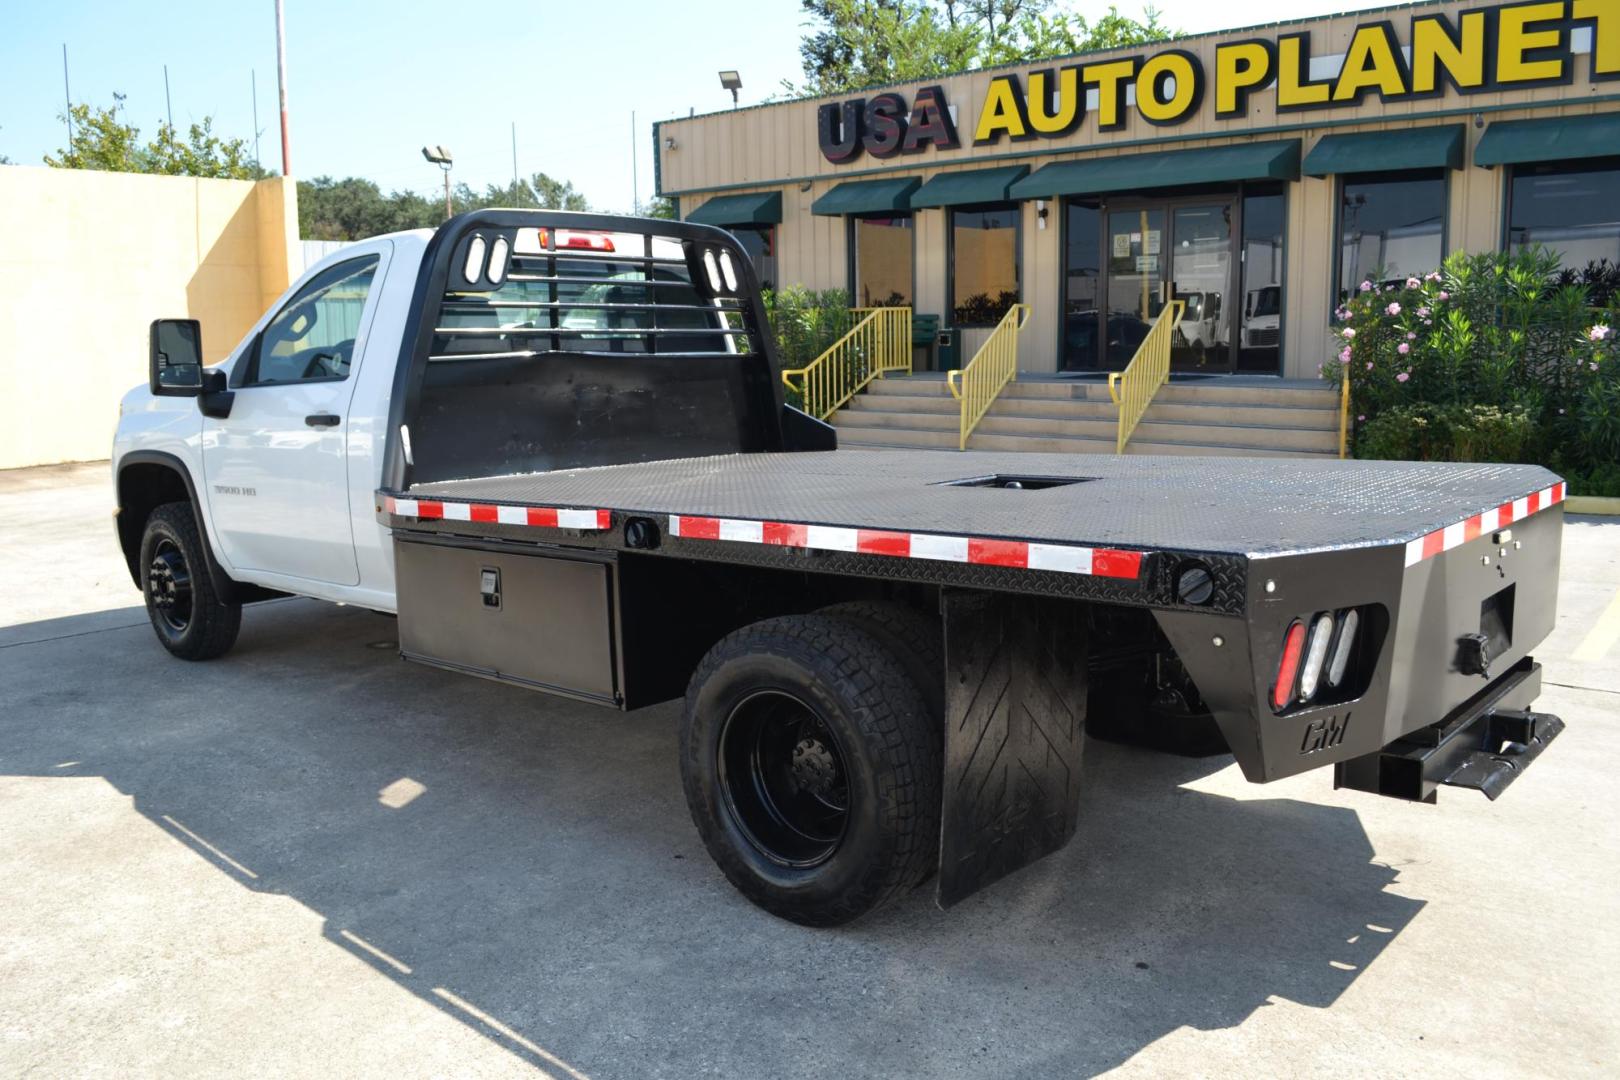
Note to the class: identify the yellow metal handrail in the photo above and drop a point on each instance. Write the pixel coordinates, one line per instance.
(880, 342)
(977, 382)
(1344, 414)
(1133, 388)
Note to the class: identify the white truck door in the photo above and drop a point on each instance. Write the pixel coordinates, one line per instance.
(276, 467)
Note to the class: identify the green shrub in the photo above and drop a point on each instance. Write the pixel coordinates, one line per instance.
(1496, 357)
(805, 323)
(1424, 431)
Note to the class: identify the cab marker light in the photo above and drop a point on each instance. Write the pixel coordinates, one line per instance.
(1343, 647)
(729, 270)
(1283, 692)
(1310, 675)
(474, 267)
(712, 268)
(498, 251)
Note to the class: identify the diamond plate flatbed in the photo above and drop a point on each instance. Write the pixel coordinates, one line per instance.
(1220, 505)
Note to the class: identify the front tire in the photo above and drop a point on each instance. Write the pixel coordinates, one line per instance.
(811, 768)
(190, 619)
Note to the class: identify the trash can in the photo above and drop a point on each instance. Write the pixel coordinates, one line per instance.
(924, 328)
(948, 349)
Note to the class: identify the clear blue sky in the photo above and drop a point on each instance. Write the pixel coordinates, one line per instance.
(370, 82)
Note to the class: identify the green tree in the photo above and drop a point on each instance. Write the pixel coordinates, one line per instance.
(353, 208)
(202, 153)
(659, 207)
(103, 139)
(853, 44)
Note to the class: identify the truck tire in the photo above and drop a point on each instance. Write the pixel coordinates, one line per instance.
(915, 639)
(812, 768)
(190, 619)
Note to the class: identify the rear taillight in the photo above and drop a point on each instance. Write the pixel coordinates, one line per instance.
(1343, 646)
(583, 241)
(1288, 668)
(1316, 652)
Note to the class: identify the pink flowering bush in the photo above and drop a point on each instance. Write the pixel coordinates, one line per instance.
(1491, 358)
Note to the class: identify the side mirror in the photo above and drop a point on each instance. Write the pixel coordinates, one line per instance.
(174, 361)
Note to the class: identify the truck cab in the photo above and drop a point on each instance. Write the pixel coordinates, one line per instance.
(282, 450)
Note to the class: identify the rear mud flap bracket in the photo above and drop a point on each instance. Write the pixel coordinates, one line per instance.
(1015, 716)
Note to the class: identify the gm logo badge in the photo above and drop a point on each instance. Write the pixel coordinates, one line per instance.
(1324, 734)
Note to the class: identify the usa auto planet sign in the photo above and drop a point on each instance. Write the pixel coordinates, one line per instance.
(1507, 46)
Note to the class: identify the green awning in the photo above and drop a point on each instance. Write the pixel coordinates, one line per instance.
(867, 197)
(1387, 151)
(1557, 138)
(755, 208)
(1164, 168)
(960, 188)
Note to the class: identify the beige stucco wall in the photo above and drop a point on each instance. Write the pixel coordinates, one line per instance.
(90, 259)
(773, 148)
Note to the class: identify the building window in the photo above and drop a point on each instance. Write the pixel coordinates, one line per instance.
(759, 241)
(1391, 227)
(1260, 328)
(1082, 282)
(1571, 207)
(883, 254)
(984, 264)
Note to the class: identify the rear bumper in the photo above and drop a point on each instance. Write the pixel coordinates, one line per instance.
(1484, 744)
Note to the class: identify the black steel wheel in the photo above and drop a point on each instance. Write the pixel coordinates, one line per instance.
(169, 585)
(190, 619)
(811, 768)
(783, 778)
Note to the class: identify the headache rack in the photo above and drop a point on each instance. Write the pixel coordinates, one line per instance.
(543, 340)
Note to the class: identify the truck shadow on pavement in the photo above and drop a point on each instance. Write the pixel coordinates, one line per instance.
(527, 865)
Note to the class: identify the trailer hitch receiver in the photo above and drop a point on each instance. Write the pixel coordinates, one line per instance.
(1486, 744)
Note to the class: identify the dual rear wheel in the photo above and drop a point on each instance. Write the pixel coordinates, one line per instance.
(811, 759)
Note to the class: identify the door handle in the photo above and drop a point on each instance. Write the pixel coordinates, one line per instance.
(323, 419)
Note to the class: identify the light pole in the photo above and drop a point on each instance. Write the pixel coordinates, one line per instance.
(731, 80)
(439, 156)
(281, 86)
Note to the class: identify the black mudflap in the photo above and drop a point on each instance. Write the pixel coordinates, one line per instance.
(1015, 712)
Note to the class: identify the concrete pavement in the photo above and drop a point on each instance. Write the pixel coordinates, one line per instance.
(310, 858)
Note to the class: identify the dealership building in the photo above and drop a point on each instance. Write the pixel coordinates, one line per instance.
(1256, 174)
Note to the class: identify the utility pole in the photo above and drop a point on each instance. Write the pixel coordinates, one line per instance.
(281, 82)
(635, 181)
(516, 193)
(67, 93)
(168, 104)
(257, 168)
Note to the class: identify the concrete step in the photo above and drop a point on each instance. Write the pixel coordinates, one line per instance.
(1211, 391)
(1173, 432)
(1249, 415)
(911, 438)
(1059, 444)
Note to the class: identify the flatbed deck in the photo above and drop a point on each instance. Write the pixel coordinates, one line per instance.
(1228, 506)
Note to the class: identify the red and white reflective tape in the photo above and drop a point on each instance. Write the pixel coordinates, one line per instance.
(1063, 558)
(1427, 547)
(540, 517)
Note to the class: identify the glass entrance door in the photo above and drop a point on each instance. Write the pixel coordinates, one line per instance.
(1200, 275)
(1170, 249)
(1135, 291)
